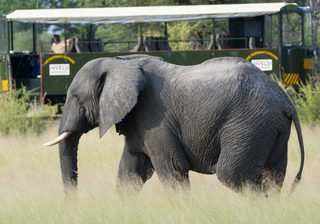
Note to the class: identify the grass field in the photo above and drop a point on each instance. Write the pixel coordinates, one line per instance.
(31, 189)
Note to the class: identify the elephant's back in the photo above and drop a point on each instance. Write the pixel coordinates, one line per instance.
(212, 86)
(224, 61)
(222, 82)
(241, 80)
(217, 74)
(222, 89)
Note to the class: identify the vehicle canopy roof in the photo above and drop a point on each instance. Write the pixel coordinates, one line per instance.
(146, 13)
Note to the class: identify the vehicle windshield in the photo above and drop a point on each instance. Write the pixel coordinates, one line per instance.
(292, 29)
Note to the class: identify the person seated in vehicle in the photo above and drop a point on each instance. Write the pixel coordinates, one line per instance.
(58, 46)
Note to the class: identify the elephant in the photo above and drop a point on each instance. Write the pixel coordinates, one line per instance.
(223, 116)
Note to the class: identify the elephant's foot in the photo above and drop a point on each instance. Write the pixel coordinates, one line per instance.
(271, 180)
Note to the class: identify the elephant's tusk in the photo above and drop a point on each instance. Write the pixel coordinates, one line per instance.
(61, 137)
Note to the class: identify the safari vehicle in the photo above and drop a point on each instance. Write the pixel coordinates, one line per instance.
(276, 37)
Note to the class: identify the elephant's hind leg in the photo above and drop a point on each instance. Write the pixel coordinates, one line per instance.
(135, 169)
(243, 158)
(275, 169)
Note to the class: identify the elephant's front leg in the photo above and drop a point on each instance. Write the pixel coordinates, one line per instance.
(169, 160)
(135, 168)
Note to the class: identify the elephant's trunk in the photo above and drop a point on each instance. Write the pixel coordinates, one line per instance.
(68, 150)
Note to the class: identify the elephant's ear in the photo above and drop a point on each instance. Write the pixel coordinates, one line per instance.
(119, 95)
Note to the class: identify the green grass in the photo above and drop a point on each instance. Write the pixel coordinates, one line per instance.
(31, 189)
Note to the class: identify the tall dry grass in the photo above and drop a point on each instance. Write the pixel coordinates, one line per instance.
(31, 189)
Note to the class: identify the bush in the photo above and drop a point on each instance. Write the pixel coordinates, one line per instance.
(19, 116)
(306, 100)
(308, 103)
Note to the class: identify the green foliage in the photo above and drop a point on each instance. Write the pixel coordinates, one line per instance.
(179, 31)
(117, 36)
(22, 41)
(308, 103)
(18, 116)
(182, 35)
(43, 42)
(306, 100)
(7, 7)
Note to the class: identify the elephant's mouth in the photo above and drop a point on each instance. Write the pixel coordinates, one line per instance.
(60, 138)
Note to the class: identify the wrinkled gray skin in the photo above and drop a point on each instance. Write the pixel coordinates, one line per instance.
(222, 117)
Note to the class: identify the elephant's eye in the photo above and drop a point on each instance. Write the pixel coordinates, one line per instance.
(79, 102)
(77, 97)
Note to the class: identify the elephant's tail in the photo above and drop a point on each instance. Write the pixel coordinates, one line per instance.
(301, 145)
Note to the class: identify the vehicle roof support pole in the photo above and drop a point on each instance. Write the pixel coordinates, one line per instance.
(90, 33)
(166, 30)
(302, 28)
(280, 36)
(10, 27)
(34, 38)
(214, 34)
(65, 37)
(140, 33)
(8, 37)
(280, 25)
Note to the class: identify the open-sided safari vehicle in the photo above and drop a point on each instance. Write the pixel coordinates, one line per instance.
(276, 37)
